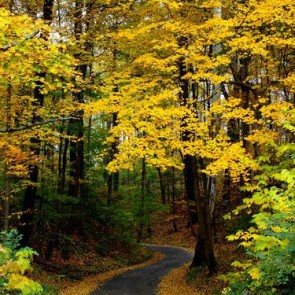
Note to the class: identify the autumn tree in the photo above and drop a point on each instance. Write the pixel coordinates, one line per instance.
(30, 64)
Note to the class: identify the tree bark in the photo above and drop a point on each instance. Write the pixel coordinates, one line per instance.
(204, 251)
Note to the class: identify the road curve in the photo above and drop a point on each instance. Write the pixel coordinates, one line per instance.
(144, 281)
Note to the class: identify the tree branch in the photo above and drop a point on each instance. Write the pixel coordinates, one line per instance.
(9, 130)
(8, 46)
(242, 84)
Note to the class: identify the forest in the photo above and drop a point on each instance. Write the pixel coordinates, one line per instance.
(169, 122)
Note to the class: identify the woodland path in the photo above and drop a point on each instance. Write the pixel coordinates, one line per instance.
(145, 280)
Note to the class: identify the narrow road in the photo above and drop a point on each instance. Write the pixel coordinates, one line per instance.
(144, 281)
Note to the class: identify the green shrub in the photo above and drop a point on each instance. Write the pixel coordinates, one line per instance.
(270, 242)
(10, 239)
(14, 264)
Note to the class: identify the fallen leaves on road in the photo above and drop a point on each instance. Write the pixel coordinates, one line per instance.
(175, 283)
(89, 284)
(196, 281)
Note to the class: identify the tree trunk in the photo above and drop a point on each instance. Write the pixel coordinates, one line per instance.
(204, 251)
(162, 186)
(76, 186)
(173, 201)
(141, 213)
(6, 198)
(62, 183)
(186, 136)
(26, 226)
(189, 183)
(76, 146)
(76, 126)
(113, 178)
(198, 200)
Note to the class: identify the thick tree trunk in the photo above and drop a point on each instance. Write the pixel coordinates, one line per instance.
(198, 199)
(189, 183)
(205, 238)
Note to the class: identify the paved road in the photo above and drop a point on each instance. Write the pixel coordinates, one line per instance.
(144, 281)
